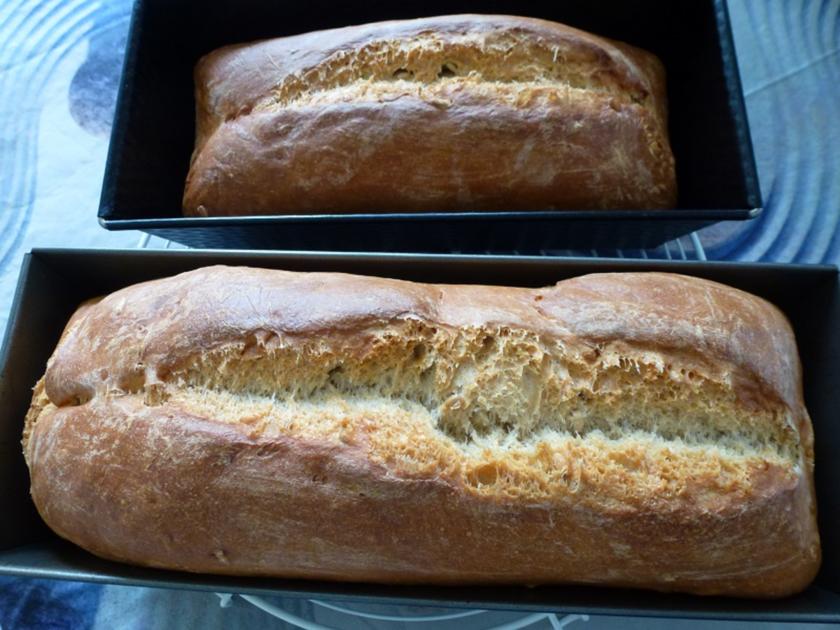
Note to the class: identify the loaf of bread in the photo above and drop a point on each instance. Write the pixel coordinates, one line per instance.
(465, 112)
(637, 429)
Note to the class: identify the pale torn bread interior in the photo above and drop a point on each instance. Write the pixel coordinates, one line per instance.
(495, 60)
(501, 411)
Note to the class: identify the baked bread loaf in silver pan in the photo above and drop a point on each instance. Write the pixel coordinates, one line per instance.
(636, 429)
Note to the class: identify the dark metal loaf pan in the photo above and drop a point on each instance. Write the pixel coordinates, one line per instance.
(153, 132)
(54, 282)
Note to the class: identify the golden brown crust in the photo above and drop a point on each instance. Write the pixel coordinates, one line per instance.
(535, 115)
(664, 312)
(134, 459)
(196, 496)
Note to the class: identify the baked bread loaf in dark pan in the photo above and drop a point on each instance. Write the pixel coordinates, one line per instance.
(467, 127)
(453, 113)
(55, 282)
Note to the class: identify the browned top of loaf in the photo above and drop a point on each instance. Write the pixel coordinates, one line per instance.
(140, 334)
(240, 77)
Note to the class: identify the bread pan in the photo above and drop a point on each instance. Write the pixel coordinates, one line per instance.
(153, 132)
(53, 282)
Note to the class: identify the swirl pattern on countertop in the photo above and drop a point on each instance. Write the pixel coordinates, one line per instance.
(36, 36)
(789, 58)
